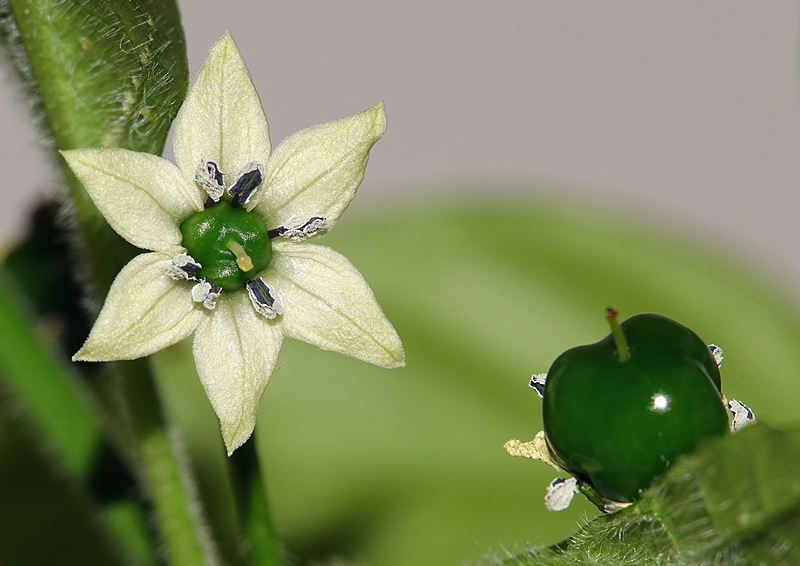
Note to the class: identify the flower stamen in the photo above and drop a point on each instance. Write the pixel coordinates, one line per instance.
(742, 415)
(307, 229)
(242, 259)
(247, 181)
(185, 267)
(208, 176)
(716, 351)
(207, 293)
(537, 382)
(265, 300)
(560, 493)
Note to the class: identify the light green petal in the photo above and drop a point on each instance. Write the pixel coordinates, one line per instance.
(316, 171)
(236, 350)
(145, 311)
(143, 197)
(327, 303)
(221, 119)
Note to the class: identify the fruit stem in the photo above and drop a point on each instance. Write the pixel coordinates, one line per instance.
(619, 336)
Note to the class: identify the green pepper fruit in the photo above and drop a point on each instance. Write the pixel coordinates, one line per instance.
(619, 412)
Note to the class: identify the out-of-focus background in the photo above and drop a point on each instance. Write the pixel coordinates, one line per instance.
(688, 109)
(542, 161)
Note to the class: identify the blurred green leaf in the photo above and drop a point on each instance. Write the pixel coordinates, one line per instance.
(483, 296)
(407, 466)
(41, 269)
(52, 455)
(46, 516)
(41, 385)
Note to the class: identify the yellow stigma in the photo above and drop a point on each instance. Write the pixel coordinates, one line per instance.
(242, 259)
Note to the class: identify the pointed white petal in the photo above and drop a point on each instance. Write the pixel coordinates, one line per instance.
(145, 311)
(143, 197)
(316, 171)
(236, 350)
(221, 119)
(327, 303)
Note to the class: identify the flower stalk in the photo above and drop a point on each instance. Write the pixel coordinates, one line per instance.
(254, 506)
(163, 470)
(81, 60)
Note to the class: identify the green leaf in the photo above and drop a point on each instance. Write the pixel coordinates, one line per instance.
(41, 384)
(735, 501)
(742, 487)
(483, 295)
(407, 466)
(52, 446)
(46, 516)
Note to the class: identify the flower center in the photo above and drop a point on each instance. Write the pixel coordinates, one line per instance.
(231, 244)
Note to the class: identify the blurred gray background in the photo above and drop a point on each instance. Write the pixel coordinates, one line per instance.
(687, 110)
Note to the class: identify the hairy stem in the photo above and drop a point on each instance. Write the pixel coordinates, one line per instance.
(163, 469)
(254, 506)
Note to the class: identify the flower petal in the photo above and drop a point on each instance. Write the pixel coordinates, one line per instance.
(143, 197)
(221, 119)
(316, 171)
(236, 350)
(327, 303)
(145, 311)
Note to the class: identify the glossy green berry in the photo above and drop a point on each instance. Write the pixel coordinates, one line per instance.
(619, 412)
(231, 244)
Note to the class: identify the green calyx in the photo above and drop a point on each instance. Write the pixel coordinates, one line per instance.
(231, 244)
(620, 423)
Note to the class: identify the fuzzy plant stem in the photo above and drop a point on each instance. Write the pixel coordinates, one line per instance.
(254, 506)
(112, 74)
(163, 472)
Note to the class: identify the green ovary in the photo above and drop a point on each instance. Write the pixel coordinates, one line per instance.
(231, 244)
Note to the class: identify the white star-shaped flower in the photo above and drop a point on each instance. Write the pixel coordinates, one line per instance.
(226, 230)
